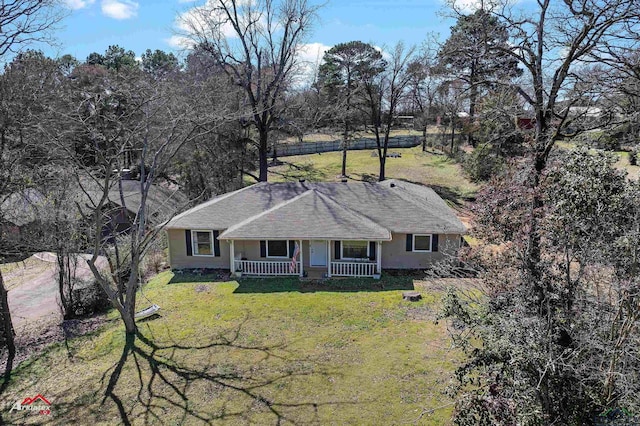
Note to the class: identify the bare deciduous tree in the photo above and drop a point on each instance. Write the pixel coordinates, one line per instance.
(123, 117)
(25, 87)
(383, 92)
(25, 22)
(341, 76)
(543, 303)
(421, 88)
(256, 44)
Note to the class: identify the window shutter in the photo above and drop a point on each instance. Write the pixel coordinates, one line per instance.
(372, 250)
(336, 248)
(409, 242)
(292, 248)
(263, 248)
(216, 244)
(434, 242)
(187, 237)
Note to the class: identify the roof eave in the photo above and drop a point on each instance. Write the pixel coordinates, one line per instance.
(305, 238)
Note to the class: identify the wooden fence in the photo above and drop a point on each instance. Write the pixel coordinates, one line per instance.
(304, 148)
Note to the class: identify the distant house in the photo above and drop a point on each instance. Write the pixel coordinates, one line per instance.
(18, 210)
(161, 204)
(331, 229)
(23, 212)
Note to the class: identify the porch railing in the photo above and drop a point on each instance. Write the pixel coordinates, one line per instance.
(267, 267)
(353, 269)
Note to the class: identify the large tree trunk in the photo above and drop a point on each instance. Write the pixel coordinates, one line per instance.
(453, 134)
(473, 99)
(382, 153)
(129, 320)
(533, 254)
(345, 143)
(424, 138)
(263, 156)
(129, 316)
(8, 334)
(344, 158)
(64, 282)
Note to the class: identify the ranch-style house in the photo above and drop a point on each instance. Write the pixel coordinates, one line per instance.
(324, 229)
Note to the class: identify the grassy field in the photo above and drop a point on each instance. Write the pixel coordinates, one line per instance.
(623, 163)
(258, 352)
(623, 159)
(436, 170)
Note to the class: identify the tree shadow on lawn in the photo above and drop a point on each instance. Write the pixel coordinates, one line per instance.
(165, 381)
(346, 285)
(295, 172)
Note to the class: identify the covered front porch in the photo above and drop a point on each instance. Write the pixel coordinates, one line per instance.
(313, 258)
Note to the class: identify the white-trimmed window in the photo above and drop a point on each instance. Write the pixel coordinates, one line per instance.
(355, 250)
(278, 248)
(202, 242)
(422, 243)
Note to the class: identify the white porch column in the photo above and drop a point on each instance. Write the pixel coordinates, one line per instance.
(328, 258)
(232, 257)
(301, 260)
(379, 257)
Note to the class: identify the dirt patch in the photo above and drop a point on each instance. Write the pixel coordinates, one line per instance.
(35, 338)
(421, 313)
(200, 288)
(442, 284)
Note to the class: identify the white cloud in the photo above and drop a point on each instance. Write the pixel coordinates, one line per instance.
(119, 9)
(312, 53)
(385, 55)
(179, 42)
(207, 19)
(309, 58)
(199, 21)
(470, 6)
(78, 4)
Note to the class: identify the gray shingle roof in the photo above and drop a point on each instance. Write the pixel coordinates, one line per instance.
(30, 205)
(310, 215)
(396, 206)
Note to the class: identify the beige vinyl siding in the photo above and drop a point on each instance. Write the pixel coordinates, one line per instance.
(251, 250)
(306, 254)
(247, 249)
(179, 258)
(395, 255)
(243, 249)
(253, 247)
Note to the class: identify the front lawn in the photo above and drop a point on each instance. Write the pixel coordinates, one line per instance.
(257, 352)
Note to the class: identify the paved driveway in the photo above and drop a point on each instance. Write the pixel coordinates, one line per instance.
(35, 300)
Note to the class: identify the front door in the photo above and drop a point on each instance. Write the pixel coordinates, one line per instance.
(318, 253)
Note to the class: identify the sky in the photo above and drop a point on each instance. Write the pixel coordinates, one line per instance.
(93, 25)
